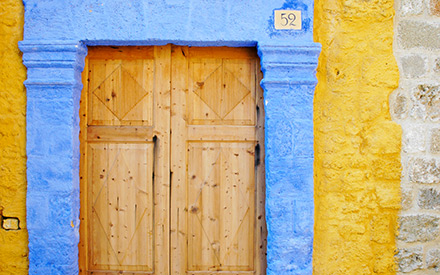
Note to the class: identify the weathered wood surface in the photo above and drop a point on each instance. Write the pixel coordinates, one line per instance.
(172, 161)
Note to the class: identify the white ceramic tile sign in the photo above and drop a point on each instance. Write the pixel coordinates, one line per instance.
(288, 20)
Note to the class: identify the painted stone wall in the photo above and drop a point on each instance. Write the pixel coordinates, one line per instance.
(187, 22)
(13, 243)
(357, 146)
(416, 106)
(55, 35)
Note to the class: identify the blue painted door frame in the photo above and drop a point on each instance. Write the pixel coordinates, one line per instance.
(56, 36)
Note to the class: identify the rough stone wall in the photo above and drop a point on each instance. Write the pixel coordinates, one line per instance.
(357, 146)
(416, 106)
(13, 243)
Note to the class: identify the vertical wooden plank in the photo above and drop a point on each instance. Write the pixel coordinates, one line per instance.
(207, 164)
(110, 221)
(162, 56)
(229, 211)
(238, 178)
(94, 74)
(179, 211)
(260, 176)
(112, 86)
(141, 112)
(240, 76)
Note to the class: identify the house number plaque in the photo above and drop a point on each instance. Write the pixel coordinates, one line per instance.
(287, 20)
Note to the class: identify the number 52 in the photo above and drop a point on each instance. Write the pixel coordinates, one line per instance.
(288, 19)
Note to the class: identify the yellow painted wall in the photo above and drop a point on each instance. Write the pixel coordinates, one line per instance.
(357, 146)
(13, 244)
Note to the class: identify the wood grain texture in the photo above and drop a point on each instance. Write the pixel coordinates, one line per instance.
(221, 90)
(125, 161)
(217, 181)
(162, 56)
(121, 206)
(178, 230)
(172, 161)
(221, 205)
(121, 91)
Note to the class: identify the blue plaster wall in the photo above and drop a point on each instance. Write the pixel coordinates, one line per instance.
(195, 22)
(52, 119)
(54, 37)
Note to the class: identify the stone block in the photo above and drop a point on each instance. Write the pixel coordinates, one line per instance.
(418, 228)
(64, 269)
(411, 7)
(424, 170)
(434, 7)
(61, 213)
(413, 66)
(410, 259)
(414, 139)
(384, 262)
(383, 138)
(50, 140)
(388, 194)
(427, 94)
(429, 199)
(290, 137)
(55, 174)
(398, 104)
(426, 100)
(437, 65)
(385, 77)
(433, 259)
(386, 168)
(414, 34)
(382, 230)
(291, 256)
(435, 141)
(407, 199)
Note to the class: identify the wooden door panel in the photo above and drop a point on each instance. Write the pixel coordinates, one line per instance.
(121, 92)
(125, 161)
(172, 170)
(220, 206)
(218, 183)
(222, 91)
(121, 206)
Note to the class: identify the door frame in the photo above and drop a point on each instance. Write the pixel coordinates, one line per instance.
(56, 36)
(53, 155)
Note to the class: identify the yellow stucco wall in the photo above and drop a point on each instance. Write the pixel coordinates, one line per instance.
(357, 146)
(13, 244)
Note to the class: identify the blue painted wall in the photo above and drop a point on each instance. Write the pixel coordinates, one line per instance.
(54, 35)
(200, 22)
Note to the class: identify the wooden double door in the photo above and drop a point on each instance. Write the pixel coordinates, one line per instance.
(172, 161)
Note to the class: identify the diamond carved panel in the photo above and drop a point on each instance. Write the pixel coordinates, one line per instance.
(219, 88)
(121, 92)
(121, 206)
